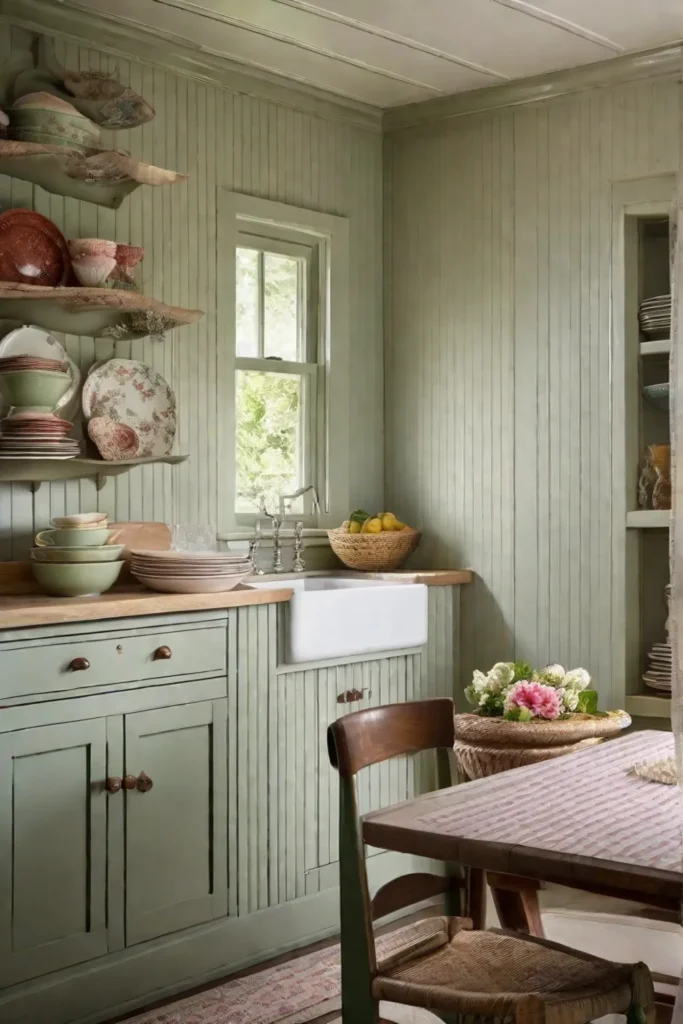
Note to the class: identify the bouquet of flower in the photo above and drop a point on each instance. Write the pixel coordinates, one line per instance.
(517, 692)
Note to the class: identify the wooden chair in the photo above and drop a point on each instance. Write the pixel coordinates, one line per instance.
(455, 972)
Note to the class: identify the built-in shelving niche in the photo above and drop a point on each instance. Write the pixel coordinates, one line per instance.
(647, 545)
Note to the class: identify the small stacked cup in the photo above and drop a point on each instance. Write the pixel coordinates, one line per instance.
(75, 558)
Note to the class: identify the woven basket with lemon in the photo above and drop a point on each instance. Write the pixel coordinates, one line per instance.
(380, 543)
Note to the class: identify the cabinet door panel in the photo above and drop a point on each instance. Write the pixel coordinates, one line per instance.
(176, 862)
(52, 848)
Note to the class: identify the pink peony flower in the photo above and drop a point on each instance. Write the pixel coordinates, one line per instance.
(542, 701)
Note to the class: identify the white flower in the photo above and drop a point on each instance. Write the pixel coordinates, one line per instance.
(501, 675)
(480, 682)
(570, 698)
(552, 675)
(578, 679)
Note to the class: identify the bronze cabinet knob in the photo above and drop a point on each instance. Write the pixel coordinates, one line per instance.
(143, 783)
(113, 784)
(162, 654)
(79, 665)
(129, 782)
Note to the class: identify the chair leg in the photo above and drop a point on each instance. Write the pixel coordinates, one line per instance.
(636, 1014)
(476, 898)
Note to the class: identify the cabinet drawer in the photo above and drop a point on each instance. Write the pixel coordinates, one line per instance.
(102, 662)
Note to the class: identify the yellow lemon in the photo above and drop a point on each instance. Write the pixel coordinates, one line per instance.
(388, 522)
(354, 527)
(372, 526)
(400, 526)
(346, 526)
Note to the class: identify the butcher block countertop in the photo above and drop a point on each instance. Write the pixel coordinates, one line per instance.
(23, 604)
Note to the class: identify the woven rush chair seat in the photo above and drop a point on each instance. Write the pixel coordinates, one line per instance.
(442, 964)
(508, 976)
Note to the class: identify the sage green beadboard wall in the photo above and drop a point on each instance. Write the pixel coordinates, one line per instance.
(497, 327)
(261, 147)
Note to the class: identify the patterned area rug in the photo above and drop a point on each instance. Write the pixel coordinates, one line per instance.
(291, 993)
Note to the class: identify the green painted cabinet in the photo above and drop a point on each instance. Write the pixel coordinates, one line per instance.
(53, 848)
(175, 833)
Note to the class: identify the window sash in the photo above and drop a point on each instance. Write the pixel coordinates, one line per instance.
(309, 286)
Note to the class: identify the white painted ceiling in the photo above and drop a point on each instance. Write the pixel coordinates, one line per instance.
(390, 52)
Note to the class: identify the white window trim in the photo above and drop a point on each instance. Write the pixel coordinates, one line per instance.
(238, 213)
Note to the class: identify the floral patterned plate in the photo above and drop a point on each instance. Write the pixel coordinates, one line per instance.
(133, 394)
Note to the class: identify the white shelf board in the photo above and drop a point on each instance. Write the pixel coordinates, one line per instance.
(655, 348)
(643, 705)
(648, 519)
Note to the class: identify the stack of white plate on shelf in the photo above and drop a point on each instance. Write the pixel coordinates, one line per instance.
(189, 572)
(655, 315)
(658, 675)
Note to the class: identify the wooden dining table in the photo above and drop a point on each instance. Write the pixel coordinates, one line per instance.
(585, 821)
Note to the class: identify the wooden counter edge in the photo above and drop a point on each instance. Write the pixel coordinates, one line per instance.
(22, 610)
(434, 577)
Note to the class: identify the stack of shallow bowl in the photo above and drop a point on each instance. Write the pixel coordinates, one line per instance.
(189, 572)
(33, 384)
(45, 119)
(75, 558)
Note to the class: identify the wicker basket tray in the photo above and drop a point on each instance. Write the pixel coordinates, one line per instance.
(374, 552)
(486, 746)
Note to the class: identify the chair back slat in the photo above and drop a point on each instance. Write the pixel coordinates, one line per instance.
(408, 890)
(376, 734)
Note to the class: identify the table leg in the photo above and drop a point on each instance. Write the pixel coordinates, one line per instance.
(516, 903)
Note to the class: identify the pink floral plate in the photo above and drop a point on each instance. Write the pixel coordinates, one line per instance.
(134, 395)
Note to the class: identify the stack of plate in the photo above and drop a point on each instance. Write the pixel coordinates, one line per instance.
(655, 315)
(37, 436)
(658, 675)
(189, 572)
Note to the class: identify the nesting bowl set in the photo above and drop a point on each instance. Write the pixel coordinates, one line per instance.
(74, 558)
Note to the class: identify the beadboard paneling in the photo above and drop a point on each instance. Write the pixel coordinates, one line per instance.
(286, 810)
(221, 138)
(498, 358)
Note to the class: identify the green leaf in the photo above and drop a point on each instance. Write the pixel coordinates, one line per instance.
(522, 671)
(588, 702)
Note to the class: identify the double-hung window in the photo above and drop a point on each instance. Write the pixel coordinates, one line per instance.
(279, 375)
(285, 297)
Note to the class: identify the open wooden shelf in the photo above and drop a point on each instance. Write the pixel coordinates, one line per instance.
(37, 471)
(645, 705)
(103, 177)
(649, 519)
(111, 313)
(655, 348)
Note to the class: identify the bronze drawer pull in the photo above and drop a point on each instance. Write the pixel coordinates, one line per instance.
(79, 665)
(143, 783)
(129, 782)
(351, 696)
(113, 784)
(162, 654)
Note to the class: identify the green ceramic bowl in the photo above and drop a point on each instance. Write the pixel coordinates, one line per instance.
(34, 390)
(76, 580)
(72, 538)
(41, 139)
(108, 553)
(53, 122)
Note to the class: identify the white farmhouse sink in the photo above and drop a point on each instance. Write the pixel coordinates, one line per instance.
(334, 617)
